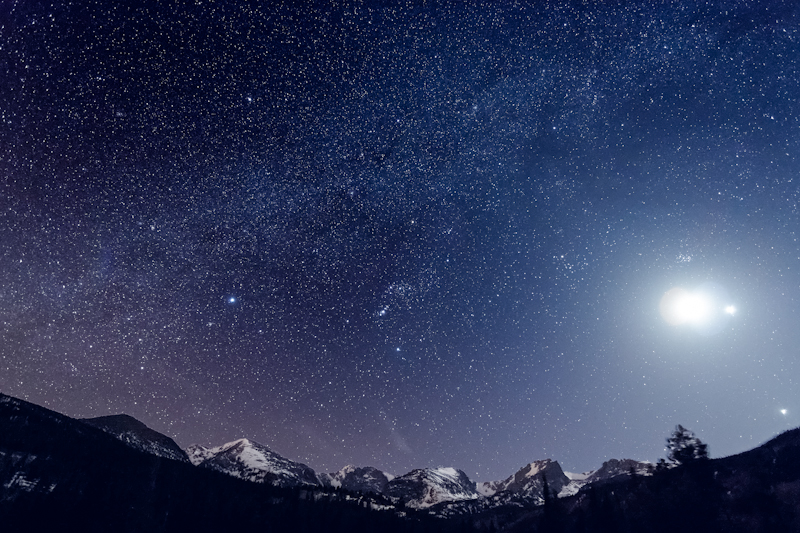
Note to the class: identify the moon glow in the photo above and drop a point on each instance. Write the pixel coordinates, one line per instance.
(706, 308)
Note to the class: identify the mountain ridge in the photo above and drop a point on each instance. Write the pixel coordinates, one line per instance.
(137, 435)
(252, 461)
(50, 459)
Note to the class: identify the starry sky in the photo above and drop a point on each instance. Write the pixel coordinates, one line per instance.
(404, 234)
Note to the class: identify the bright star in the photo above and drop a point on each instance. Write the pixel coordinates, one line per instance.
(731, 310)
(232, 300)
(783, 412)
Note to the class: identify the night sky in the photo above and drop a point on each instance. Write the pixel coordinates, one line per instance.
(405, 234)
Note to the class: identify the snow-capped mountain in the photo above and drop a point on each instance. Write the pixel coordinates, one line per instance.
(137, 435)
(249, 460)
(419, 489)
(611, 469)
(198, 453)
(445, 491)
(422, 488)
(528, 481)
(448, 489)
(357, 479)
(620, 467)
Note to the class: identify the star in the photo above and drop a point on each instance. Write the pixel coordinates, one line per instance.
(512, 214)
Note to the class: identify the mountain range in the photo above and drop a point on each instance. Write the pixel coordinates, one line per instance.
(421, 488)
(115, 473)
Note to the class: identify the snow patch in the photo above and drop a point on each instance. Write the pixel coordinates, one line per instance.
(487, 488)
(21, 482)
(579, 477)
(534, 469)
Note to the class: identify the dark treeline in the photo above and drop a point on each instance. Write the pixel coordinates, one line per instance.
(755, 492)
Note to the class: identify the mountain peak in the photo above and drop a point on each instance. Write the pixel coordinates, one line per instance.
(357, 479)
(247, 459)
(238, 443)
(528, 480)
(425, 487)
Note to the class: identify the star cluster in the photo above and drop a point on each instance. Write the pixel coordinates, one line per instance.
(403, 234)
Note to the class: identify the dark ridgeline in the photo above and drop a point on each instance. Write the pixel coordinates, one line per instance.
(60, 474)
(139, 436)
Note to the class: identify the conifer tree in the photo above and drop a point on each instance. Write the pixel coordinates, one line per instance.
(684, 447)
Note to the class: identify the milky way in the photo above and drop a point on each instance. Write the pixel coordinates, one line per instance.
(403, 234)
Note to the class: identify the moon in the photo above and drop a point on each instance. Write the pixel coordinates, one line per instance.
(706, 308)
(679, 306)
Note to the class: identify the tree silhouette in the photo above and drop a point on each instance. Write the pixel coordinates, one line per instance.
(684, 447)
(554, 516)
